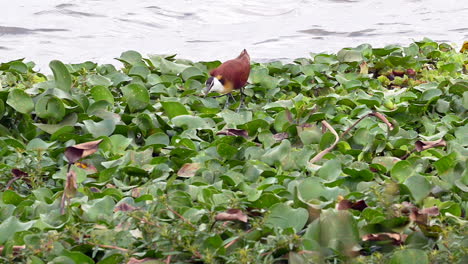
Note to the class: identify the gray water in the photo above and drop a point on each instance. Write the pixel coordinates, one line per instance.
(99, 30)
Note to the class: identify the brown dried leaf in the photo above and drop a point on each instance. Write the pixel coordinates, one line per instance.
(136, 192)
(19, 173)
(232, 215)
(419, 216)
(423, 145)
(234, 132)
(73, 154)
(347, 204)
(364, 69)
(94, 190)
(70, 185)
(79, 151)
(344, 204)
(397, 239)
(432, 211)
(280, 136)
(124, 207)
(188, 170)
(289, 116)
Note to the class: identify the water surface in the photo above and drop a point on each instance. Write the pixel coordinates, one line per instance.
(99, 30)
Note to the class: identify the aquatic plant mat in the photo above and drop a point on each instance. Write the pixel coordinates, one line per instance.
(354, 157)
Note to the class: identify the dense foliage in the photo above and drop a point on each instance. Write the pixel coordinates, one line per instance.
(354, 157)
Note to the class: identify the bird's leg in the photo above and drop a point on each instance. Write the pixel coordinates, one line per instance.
(226, 105)
(229, 96)
(241, 99)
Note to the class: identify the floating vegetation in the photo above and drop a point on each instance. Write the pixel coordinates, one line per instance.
(354, 157)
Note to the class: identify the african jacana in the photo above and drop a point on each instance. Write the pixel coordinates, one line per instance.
(229, 76)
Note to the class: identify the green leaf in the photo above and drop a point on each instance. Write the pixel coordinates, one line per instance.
(11, 197)
(189, 122)
(192, 72)
(402, 170)
(346, 55)
(11, 226)
(173, 109)
(50, 107)
(409, 256)
(130, 57)
(62, 76)
(136, 96)
(419, 187)
(70, 120)
(38, 144)
(331, 170)
(157, 139)
(103, 128)
(101, 92)
(283, 216)
(119, 144)
(99, 209)
(226, 151)
(98, 80)
(20, 101)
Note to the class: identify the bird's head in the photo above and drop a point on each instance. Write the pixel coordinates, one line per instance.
(214, 84)
(244, 54)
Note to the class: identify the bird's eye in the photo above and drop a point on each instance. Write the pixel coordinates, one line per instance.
(221, 81)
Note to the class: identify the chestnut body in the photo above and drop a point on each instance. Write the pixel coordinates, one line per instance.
(231, 75)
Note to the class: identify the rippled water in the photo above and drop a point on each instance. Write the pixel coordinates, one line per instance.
(99, 30)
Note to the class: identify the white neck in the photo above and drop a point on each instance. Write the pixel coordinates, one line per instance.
(216, 87)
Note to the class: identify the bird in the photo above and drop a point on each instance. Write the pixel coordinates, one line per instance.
(464, 47)
(229, 76)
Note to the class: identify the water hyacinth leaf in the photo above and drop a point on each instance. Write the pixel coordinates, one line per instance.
(171, 68)
(330, 170)
(76, 257)
(38, 144)
(101, 92)
(226, 151)
(173, 109)
(402, 170)
(347, 55)
(11, 197)
(136, 96)
(192, 72)
(98, 80)
(283, 216)
(98, 209)
(103, 128)
(190, 122)
(50, 107)
(131, 57)
(419, 187)
(157, 139)
(409, 256)
(20, 101)
(69, 120)
(18, 66)
(62, 76)
(11, 226)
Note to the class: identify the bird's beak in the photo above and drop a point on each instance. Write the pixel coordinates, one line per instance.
(206, 91)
